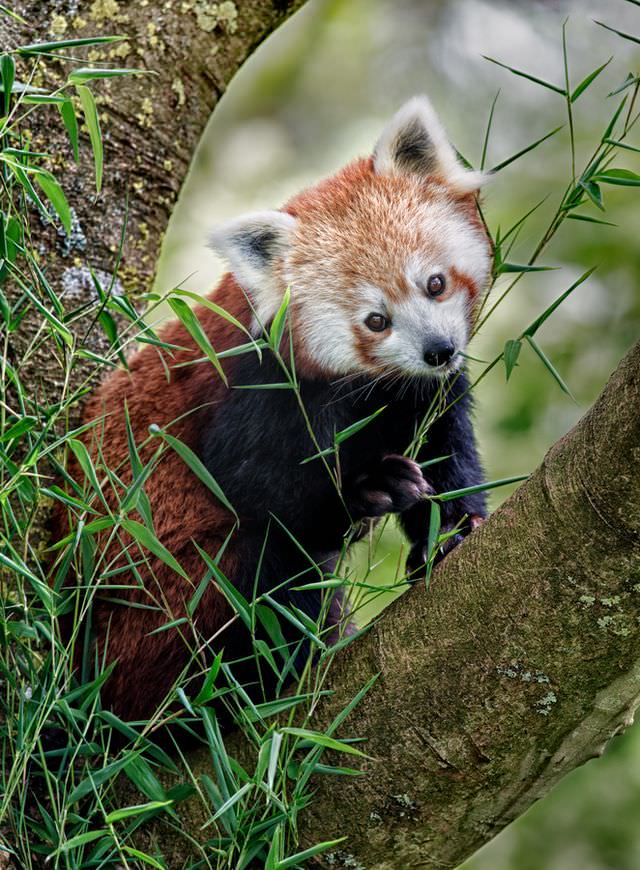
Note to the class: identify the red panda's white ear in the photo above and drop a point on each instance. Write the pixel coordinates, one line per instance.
(253, 244)
(415, 142)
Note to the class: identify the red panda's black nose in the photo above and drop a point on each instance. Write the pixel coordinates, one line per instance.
(438, 353)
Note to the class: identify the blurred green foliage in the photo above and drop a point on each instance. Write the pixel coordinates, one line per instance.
(315, 96)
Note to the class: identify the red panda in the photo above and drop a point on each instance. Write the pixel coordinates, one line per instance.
(385, 262)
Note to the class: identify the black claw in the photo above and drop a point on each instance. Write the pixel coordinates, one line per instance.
(393, 486)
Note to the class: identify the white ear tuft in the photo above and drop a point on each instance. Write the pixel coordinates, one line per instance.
(415, 142)
(252, 245)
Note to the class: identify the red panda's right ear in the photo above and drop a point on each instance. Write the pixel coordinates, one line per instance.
(252, 245)
(415, 142)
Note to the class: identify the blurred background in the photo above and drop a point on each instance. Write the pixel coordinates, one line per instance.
(316, 95)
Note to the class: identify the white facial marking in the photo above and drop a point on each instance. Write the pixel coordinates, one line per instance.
(419, 323)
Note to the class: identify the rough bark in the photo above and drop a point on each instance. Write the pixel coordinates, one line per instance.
(151, 127)
(517, 666)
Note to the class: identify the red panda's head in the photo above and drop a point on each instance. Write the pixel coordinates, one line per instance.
(385, 260)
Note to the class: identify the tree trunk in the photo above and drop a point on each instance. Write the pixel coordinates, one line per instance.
(150, 127)
(517, 665)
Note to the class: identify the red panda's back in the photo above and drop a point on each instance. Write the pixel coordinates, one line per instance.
(157, 389)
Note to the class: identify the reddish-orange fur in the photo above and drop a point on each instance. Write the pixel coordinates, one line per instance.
(183, 508)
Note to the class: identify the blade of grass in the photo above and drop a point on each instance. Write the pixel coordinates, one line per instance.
(549, 366)
(92, 121)
(586, 82)
(524, 75)
(504, 163)
(627, 36)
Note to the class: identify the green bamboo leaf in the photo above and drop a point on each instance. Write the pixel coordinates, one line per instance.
(79, 450)
(612, 123)
(92, 121)
(279, 321)
(235, 598)
(515, 267)
(272, 708)
(96, 779)
(275, 850)
(206, 692)
(330, 583)
(435, 523)
(24, 424)
(12, 14)
(196, 465)
(481, 487)
(593, 192)
(524, 151)
(311, 852)
(219, 310)
(510, 354)
(56, 325)
(41, 589)
(344, 434)
(71, 124)
(7, 72)
(549, 366)
(622, 177)
(46, 47)
(290, 617)
(142, 856)
(627, 83)
(148, 540)
(628, 36)
(25, 181)
(323, 740)
(55, 194)
(240, 349)
(169, 625)
(134, 497)
(537, 323)
(135, 810)
(55, 492)
(43, 100)
(485, 143)
(274, 753)
(528, 76)
(271, 625)
(590, 220)
(189, 320)
(281, 385)
(80, 840)
(86, 74)
(230, 802)
(140, 773)
(584, 84)
(624, 145)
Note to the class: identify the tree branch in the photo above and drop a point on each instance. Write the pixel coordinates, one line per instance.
(150, 126)
(516, 666)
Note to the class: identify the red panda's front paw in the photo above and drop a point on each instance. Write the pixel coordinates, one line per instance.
(395, 484)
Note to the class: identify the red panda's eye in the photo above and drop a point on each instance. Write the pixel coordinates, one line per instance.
(436, 285)
(377, 322)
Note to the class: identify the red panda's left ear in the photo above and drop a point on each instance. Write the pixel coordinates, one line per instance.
(415, 142)
(253, 245)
